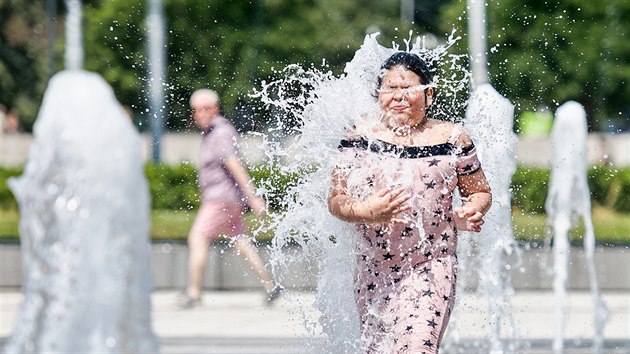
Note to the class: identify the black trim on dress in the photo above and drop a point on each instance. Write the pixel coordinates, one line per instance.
(408, 152)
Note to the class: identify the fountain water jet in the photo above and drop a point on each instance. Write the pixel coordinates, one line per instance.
(319, 100)
(84, 227)
(568, 198)
(484, 256)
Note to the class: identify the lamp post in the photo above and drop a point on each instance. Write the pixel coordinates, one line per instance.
(407, 9)
(51, 9)
(74, 38)
(157, 60)
(477, 38)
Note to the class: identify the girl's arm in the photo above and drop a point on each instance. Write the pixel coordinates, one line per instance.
(382, 206)
(477, 198)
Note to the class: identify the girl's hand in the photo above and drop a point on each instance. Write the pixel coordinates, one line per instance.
(468, 218)
(385, 204)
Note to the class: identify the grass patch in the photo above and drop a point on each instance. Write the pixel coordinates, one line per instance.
(174, 225)
(611, 228)
(9, 220)
(171, 225)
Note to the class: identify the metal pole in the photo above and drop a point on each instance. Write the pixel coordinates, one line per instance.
(51, 9)
(407, 9)
(157, 62)
(477, 40)
(74, 37)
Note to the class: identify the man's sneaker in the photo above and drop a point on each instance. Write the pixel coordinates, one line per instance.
(185, 301)
(274, 294)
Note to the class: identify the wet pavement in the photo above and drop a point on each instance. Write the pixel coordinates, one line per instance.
(241, 322)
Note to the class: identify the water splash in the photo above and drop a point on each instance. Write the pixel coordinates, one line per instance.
(325, 107)
(486, 256)
(569, 198)
(84, 227)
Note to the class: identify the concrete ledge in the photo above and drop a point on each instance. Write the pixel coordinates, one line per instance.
(228, 271)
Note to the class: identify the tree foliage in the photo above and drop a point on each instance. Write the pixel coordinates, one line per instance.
(540, 52)
(230, 47)
(549, 52)
(23, 44)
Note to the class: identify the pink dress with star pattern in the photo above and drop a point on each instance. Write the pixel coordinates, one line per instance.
(406, 273)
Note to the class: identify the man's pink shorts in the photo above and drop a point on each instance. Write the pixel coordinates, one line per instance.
(216, 219)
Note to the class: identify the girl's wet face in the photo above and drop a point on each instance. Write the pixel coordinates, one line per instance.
(402, 98)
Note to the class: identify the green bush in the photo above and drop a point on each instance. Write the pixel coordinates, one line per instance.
(274, 182)
(173, 187)
(609, 187)
(622, 198)
(529, 189)
(600, 179)
(7, 200)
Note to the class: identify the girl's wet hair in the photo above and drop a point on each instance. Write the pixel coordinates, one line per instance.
(411, 62)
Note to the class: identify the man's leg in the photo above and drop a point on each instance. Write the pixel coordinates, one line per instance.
(203, 231)
(247, 250)
(198, 246)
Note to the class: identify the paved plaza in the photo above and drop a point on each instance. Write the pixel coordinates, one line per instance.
(240, 322)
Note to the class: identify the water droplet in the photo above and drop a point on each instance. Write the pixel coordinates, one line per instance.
(72, 204)
(60, 201)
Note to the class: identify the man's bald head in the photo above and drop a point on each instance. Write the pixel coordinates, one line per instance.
(204, 96)
(205, 106)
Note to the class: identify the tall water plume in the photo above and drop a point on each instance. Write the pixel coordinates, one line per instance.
(485, 256)
(84, 227)
(569, 198)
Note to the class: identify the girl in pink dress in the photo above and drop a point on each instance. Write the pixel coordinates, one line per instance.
(396, 184)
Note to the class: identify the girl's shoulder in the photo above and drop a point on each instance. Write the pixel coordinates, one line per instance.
(440, 125)
(449, 132)
(441, 130)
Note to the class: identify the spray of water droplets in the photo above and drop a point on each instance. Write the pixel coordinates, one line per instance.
(316, 108)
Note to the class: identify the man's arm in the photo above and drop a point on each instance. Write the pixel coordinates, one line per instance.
(240, 175)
